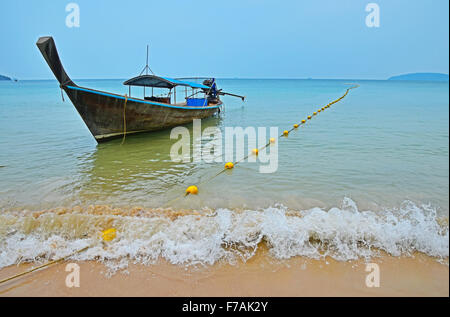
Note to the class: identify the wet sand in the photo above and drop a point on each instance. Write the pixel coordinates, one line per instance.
(260, 276)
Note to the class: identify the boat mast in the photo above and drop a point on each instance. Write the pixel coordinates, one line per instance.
(146, 69)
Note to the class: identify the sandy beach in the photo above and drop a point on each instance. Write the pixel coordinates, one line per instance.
(260, 276)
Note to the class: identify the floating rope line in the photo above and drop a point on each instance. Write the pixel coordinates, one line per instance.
(193, 190)
(44, 265)
(106, 235)
(110, 234)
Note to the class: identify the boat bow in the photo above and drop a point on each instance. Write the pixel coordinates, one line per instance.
(47, 46)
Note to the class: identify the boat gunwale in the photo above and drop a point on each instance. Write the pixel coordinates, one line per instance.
(110, 94)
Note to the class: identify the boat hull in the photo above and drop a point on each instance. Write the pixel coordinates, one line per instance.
(110, 116)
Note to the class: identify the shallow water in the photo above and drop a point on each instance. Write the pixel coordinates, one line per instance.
(384, 148)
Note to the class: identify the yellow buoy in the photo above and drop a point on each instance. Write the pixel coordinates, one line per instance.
(272, 140)
(319, 110)
(314, 113)
(303, 121)
(309, 117)
(285, 132)
(193, 190)
(323, 108)
(255, 151)
(109, 234)
(229, 165)
(296, 125)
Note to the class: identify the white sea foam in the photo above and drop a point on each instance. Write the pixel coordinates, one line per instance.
(344, 233)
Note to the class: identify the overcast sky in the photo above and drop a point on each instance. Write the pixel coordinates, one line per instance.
(243, 38)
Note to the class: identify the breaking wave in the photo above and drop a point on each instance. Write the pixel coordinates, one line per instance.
(208, 236)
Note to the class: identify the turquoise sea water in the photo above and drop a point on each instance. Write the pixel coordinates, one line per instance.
(386, 142)
(383, 149)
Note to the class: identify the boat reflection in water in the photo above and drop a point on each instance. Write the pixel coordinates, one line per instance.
(140, 172)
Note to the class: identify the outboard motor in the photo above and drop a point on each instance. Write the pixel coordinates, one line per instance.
(212, 92)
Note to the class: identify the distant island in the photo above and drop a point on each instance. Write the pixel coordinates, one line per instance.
(4, 78)
(422, 76)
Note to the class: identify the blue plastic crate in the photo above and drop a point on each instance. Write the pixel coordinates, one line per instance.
(196, 102)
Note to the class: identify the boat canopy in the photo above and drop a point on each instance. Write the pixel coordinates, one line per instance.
(161, 82)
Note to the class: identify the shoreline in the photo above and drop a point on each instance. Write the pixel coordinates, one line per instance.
(419, 275)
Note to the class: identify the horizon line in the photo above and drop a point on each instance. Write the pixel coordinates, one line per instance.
(232, 78)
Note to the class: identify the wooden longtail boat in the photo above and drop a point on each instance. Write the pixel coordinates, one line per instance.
(108, 115)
